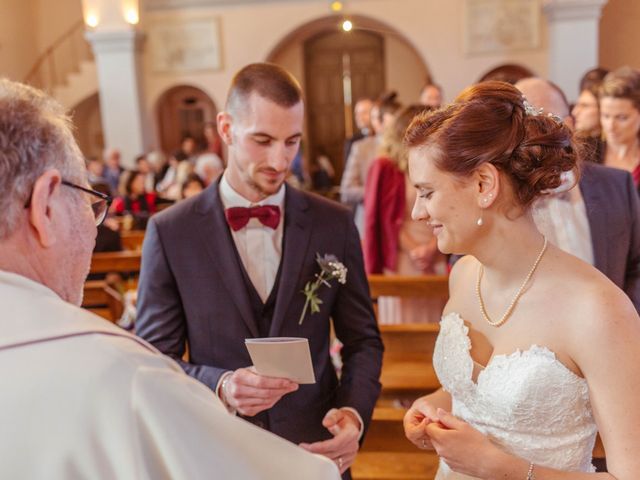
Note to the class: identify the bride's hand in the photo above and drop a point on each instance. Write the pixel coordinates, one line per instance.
(416, 420)
(463, 448)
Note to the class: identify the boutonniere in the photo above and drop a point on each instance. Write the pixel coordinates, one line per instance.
(330, 268)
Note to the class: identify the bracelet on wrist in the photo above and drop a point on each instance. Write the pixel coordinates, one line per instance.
(531, 474)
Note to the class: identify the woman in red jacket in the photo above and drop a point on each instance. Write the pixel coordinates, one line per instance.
(393, 242)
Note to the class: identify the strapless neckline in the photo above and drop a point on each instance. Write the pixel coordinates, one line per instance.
(527, 401)
(534, 349)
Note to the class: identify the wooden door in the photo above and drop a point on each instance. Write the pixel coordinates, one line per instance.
(340, 68)
(183, 111)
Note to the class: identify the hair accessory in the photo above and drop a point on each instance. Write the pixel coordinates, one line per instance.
(530, 109)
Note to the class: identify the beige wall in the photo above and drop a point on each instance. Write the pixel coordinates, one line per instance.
(434, 28)
(17, 42)
(619, 34)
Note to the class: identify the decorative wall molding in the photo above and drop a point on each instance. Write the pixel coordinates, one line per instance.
(492, 26)
(573, 9)
(151, 5)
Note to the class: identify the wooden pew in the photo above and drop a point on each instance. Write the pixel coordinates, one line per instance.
(132, 239)
(407, 369)
(407, 373)
(122, 262)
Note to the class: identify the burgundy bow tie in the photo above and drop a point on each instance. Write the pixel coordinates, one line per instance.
(238, 217)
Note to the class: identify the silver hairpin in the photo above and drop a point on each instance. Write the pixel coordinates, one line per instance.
(530, 109)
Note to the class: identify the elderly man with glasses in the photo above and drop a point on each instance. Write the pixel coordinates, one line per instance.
(82, 398)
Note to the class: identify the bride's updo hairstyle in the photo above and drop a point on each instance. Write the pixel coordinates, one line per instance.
(491, 123)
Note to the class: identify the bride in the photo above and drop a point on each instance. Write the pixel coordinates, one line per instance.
(537, 350)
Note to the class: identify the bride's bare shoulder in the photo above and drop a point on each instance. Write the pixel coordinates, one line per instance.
(596, 302)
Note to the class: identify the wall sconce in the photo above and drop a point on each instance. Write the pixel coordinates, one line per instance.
(131, 16)
(91, 20)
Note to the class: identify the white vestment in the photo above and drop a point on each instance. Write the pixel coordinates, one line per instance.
(82, 398)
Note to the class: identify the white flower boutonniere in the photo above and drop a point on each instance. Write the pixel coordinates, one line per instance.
(330, 268)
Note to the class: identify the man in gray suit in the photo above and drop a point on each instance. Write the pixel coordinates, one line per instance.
(599, 221)
(232, 262)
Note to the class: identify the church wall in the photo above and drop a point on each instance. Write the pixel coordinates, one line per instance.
(619, 34)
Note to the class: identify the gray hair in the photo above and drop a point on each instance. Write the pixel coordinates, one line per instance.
(35, 136)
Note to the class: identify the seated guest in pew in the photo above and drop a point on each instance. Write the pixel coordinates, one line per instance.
(537, 350)
(82, 398)
(232, 262)
(599, 220)
(136, 200)
(393, 243)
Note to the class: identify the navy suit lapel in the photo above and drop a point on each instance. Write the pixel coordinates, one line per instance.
(297, 232)
(589, 188)
(216, 237)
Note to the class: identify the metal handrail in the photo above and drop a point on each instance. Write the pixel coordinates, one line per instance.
(46, 73)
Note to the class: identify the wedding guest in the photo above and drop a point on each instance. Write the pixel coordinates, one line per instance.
(146, 170)
(431, 95)
(581, 220)
(394, 244)
(192, 186)
(531, 365)
(112, 169)
(362, 118)
(92, 400)
(586, 112)
(208, 167)
(232, 263)
(620, 119)
(364, 152)
(136, 200)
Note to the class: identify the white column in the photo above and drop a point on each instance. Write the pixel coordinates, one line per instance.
(121, 98)
(573, 41)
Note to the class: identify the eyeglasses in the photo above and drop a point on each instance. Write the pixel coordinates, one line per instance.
(100, 206)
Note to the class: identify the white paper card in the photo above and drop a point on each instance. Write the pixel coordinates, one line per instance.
(286, 357)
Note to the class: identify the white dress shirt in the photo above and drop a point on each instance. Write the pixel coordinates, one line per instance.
(259, 246)
(561, 216)
(260, 249)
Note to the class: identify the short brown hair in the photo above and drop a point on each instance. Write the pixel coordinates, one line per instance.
(622, 83)
(488, 123)
(592, 79)
(268, 80)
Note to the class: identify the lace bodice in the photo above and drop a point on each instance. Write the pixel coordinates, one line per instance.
(528, 402)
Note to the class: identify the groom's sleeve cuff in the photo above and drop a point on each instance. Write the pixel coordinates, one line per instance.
(355, 412)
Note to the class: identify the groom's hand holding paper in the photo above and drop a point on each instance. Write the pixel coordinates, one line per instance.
(283, 357)
(280, 365)
(249, 393)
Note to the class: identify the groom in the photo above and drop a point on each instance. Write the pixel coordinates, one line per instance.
(231, 263)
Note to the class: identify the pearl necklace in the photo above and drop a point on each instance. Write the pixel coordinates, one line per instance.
(512, 305)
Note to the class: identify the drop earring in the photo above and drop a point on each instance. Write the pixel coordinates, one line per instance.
(480, 221)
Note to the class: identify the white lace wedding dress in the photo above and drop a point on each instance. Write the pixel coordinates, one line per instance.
(527, 402)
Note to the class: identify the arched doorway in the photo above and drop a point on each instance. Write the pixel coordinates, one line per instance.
(508, 72)
(379, 59)
(183, 111)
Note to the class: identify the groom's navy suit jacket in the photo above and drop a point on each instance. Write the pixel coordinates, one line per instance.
(613, 212)
(193, 290)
